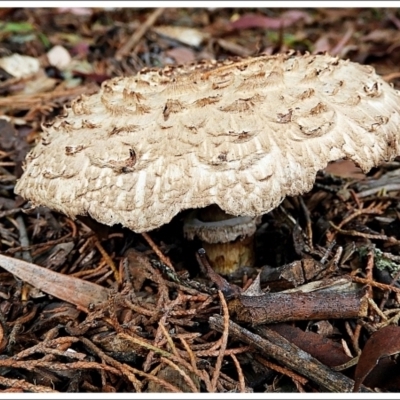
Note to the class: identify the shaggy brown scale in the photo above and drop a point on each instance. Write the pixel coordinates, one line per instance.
(242, 134)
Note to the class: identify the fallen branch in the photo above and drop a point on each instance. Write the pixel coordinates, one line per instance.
(274, 345)
(283, 307)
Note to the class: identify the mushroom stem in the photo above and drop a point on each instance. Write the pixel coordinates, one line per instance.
(228, 257)
(228, 240)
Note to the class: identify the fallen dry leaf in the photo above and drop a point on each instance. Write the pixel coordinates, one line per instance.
(323, 349)
(288, 18)
(322, 45)
(345, 169)
(382, 343)
(59, 57)
(73, 290)
(181, 55)
(20, 66)
(190, 36)
(39, 83)
(75, 10)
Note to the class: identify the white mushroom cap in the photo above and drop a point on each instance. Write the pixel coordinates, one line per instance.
(242, 134)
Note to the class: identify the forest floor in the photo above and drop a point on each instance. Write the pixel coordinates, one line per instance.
(165, 324)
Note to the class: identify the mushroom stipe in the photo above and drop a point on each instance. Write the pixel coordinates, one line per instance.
(240, 133)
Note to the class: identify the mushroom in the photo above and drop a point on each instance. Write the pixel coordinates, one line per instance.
(227, 239)
(241, 134)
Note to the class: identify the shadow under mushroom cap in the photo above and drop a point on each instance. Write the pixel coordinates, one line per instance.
(242, 134)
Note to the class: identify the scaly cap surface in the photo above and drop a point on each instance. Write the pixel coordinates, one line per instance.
(242, 134)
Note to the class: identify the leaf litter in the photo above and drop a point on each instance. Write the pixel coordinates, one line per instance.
(87, 308)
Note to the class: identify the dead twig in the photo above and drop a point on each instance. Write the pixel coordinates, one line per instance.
(30, 365)
(390, 77)
(9, 212)
(23, 239)
(354, 336)
(192, 356)
(282, 370)
(271, 344)
(156, 250)
(145, 345)
(378, 285)
(342, 42)
(224, 343)
(38, 100)
(41, 246)
(371, 210)
(138, 34)
(242, 384)
(110, 262)
(122, 368)
(184, 375)
(38, 348)
(308, 222)
(369, 269)
(25, 386)
(390, 239)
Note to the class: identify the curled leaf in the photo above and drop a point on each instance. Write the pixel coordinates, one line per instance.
(382, 343)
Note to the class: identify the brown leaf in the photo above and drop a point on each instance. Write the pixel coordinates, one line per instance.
(385, 376)
(323, 349)
(73, 290)
(85, 11)
(322, 45)
(98, 78)
(288, 18)
(345, 169)
(56, 313)
(382, 343)
(181, 55)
